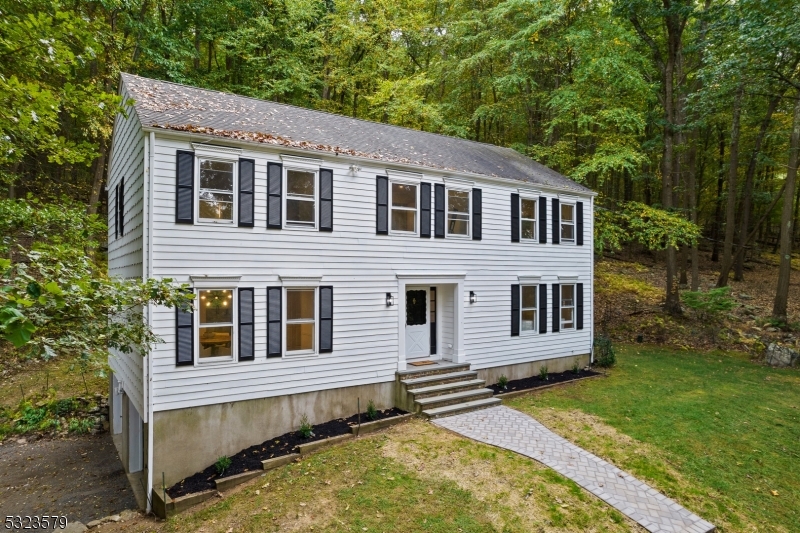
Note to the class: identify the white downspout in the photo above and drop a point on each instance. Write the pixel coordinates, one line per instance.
(149, 148)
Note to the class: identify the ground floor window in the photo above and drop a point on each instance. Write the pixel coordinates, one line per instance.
(300, 320)
(567, 306)
(216, 309)
(529, 307)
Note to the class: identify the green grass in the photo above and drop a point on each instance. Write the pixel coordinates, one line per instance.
(729, 426)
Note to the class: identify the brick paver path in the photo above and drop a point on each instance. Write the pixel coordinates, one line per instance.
(506, 428)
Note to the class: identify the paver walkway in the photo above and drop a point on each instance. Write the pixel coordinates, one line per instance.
(506, 428)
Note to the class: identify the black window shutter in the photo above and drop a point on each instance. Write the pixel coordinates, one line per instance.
(382, 205)
(579, 223)
(438, 226)
(325, 199)
(247, 171)
(274, 188)
(274, 343)
(542, 308)
(184, 337)
(579, 305)
(246, 325)
(542, 220)
(477, 214)
(325, 319)
(184, 187)
(556, 307)
(116, 212)
(514, 217)
(515, 310)
(556, 222)
(121, 204)
(425, 210)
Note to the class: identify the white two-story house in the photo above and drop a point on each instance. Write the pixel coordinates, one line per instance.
(327, 254)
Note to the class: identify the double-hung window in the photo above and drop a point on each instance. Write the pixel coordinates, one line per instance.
(527, 219)
(404, 202)
(216, 191)
(216, 319)
(300, 320)
(528, 319)
(567, 307)
(567, 222)
(458, 212)
(301, 198)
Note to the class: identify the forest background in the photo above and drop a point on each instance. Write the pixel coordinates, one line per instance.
(683, 115)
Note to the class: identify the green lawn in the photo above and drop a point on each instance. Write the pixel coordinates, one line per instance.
(727, 425)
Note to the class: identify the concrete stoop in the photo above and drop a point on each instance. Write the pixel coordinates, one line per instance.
(442, 390)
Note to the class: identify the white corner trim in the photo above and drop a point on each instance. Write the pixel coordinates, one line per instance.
(529, 279)
(211, 282)
(301, 280)
(211, 150)
(567, 277)
(529, 192)
(311, 163)
(431, 275)
(458, 183)
(403, 175)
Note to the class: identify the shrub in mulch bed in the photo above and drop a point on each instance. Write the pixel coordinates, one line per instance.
(250, 459)
(534, 382)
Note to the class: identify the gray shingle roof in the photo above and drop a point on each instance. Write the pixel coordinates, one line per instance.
(180, 107)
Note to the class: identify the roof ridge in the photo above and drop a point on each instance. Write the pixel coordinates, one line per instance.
(492, 145)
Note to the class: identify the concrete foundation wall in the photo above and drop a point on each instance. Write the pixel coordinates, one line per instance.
(188, 440)
(526, 370)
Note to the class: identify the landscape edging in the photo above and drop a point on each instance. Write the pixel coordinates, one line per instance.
(513, 394)
(369, 427)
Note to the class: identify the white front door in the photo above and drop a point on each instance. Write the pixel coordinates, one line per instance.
(418, 330)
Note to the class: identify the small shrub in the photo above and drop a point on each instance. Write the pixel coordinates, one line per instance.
(502, 382)
(30, 418)
(709, 305)
(63, 407)
(222, 464)
(306, 429)
(604, 352)
(372, 413)
(79, 425)
(543, 372)
(576, 369)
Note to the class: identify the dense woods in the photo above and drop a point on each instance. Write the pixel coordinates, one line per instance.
(691, 108)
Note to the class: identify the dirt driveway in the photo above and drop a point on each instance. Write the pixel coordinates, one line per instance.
(81, 477)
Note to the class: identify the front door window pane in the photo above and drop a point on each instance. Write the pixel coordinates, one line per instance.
(458, 212)
(300, 319)
(528, 218)
(300, 197)
(404, 207)
(216, 190)
(215, 309)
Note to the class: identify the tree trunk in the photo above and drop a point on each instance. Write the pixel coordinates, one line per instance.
(691, 196)
(785, 269)
(733, 167)
(98, 180)
(747, 201)
(718, 201)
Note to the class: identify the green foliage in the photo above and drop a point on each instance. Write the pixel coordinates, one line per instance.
(502, 381)
(80, 425)
(372, 413)
(306, 429)
(653, 228)
(32, 418)
(604, 355)
(222, 464)
(709, 305)
(576, 369)
(543, 372)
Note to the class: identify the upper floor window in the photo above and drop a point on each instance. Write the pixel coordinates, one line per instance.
(567, 222)
(529, 307)
(567, 306)
(215, 324)
(216, 190)
(528, 218)
(458, 212)
(301, 199)
(404, 207)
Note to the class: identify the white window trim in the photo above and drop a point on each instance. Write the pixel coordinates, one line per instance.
(226, 158)
(198, 361)
(535, 200)
(561, 305)
(285, 198)
(284, 322)
(573, 240)
(416, 184)
(536, 309)
(447, 190)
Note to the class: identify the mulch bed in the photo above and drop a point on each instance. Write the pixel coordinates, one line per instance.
(250, 459)
(535, 382)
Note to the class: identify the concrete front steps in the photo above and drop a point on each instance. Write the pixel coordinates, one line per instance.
(443, 389)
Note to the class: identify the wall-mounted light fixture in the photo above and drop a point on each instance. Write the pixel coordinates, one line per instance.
(390, 301)
(473, 298)
(355, 169)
